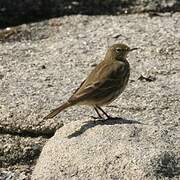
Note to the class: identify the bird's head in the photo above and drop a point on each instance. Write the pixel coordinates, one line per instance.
(118, 52)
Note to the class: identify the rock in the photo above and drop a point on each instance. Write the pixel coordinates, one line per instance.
(29, 92)
(20, 172)
(19, 150)
(116, 149)
(18, 155)
(68, 47)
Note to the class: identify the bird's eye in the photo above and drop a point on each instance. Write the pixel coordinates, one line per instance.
(118, 50)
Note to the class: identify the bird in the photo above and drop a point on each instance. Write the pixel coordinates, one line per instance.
(104, 84)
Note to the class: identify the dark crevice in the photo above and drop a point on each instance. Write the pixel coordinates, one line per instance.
(28, 159)
(28, 133)
(15, 12)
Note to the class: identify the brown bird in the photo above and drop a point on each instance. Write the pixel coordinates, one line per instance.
(104, 84)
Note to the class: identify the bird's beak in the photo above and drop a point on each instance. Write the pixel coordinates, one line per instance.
(133, 49)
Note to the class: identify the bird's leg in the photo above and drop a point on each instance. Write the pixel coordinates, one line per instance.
(108, 117)
(95, 108)
(98, 113)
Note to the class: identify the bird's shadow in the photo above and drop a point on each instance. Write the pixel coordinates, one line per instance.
(93, 123)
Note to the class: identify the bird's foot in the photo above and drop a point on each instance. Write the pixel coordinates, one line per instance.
(94, 117)
(107, 118)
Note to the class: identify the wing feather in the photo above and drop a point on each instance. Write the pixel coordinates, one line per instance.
(99, 79)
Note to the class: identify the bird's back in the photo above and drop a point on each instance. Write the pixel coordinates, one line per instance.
(106, 78)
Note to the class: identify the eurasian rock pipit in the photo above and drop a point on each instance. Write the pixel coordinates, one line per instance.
(104, 84)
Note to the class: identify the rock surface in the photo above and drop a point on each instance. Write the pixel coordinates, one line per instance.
(115, 149)
(42, 63)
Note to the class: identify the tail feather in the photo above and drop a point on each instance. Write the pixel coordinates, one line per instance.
(57, 110)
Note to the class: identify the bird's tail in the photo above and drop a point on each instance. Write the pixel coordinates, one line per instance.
(57, 110)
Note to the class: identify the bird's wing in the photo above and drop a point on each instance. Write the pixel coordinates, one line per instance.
(85, 92)
(79, 87)
(98, 80)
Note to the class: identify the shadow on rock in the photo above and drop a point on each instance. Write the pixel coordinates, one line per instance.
(21, 12)
(32, 11)
(166, 165)
(93, 123)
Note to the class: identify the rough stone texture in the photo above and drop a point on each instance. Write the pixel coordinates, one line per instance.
(15, 149)
(141, 149)
(42, 63)
(111, 150)
(23, 76)
(22, 172)
(13, 12)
